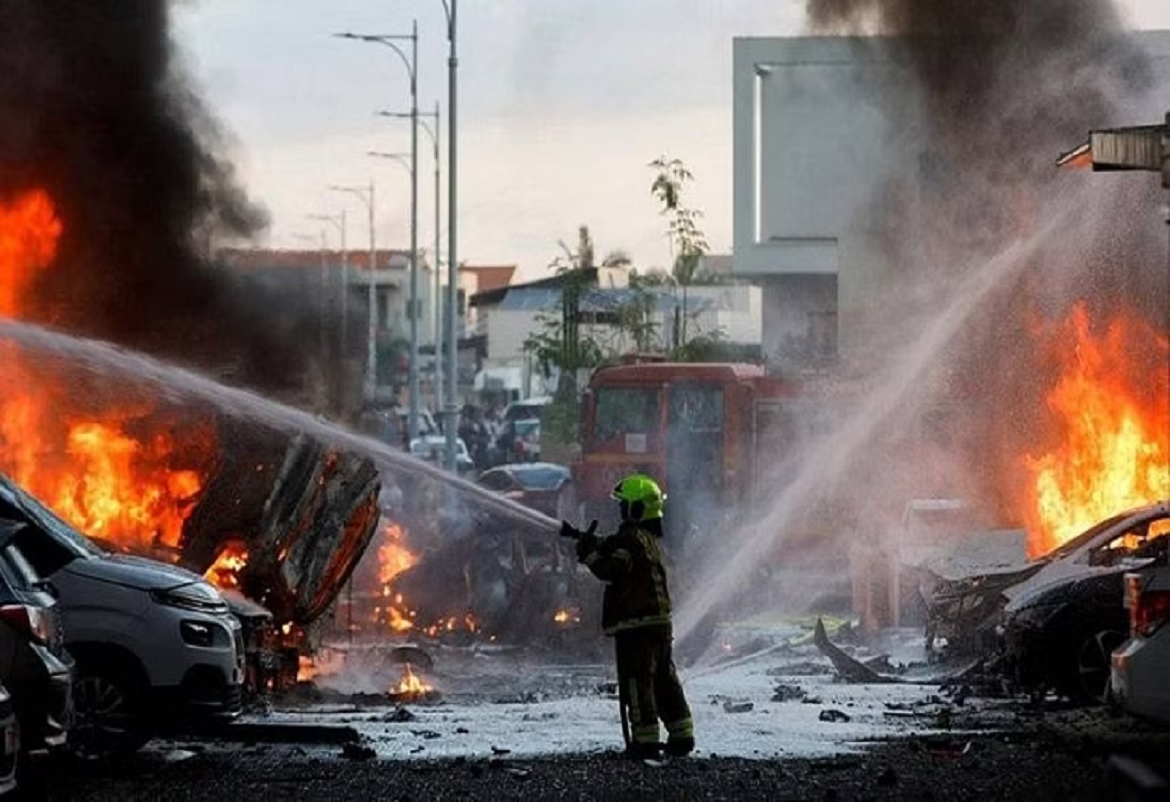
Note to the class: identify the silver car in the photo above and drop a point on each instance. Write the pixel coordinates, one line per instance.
(1142, 663)
(156, 646)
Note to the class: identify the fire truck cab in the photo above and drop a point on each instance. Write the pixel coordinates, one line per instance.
(704, 431)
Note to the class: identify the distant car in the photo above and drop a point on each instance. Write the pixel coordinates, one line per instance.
(518, 441)
(528, 409)
(1140, 667)
(542, 486)
(1063, 622)
(433, 448)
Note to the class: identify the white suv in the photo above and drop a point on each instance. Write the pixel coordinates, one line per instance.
(156, 646)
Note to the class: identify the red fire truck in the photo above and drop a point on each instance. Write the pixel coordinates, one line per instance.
(708, 432)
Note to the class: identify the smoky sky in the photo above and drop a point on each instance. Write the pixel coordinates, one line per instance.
(95, 107)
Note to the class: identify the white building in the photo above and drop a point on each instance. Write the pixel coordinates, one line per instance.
(732, 313)
(813, 140)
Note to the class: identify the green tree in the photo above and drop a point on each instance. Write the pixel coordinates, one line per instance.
(687, 240)
(559, 345)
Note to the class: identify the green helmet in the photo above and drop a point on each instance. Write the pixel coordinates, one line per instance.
(640, 496)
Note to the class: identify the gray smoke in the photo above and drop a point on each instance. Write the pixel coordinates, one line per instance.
(984, 243)
(1001, 89)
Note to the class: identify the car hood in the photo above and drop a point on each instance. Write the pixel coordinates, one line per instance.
(986, 582)
(134, 572)
(1054, 574)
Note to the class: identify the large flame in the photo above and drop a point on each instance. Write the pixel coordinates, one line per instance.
(114, 469)
(394, 558)
(1114, 425)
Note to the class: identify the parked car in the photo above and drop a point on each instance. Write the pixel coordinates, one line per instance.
(1063, 622)
(155, 645)
(527, 409)
(542, 486)
(1140, 667)
(433, 448)
(9, 751)
(34, 665)
(518, 441)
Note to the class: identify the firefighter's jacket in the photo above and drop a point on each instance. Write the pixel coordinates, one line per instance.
(630, 563)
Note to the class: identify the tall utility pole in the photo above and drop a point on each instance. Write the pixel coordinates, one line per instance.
(452, 416)
(411, 64)
(366, 196)
(437, 304)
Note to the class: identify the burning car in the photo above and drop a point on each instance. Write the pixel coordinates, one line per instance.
(1057, 618)
(1062, 624)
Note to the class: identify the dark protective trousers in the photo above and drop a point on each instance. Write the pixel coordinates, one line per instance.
(649, 686)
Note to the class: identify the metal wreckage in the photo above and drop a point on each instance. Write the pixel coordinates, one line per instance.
(309, 542)
(1040, 626)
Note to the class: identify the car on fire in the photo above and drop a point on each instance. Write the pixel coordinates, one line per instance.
(155, 645)
(543, 486)
(1057, 619)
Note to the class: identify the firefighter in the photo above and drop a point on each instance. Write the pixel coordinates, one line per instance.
(636, 614)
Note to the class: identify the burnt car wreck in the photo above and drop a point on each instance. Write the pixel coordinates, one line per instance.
(1048, 625)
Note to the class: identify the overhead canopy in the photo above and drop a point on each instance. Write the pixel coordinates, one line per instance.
(1139, 148)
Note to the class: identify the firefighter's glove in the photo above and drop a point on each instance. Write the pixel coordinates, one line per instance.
(570, 531)
(586, 545)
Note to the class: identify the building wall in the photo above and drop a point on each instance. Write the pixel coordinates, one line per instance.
(812, 147)
(811, 143)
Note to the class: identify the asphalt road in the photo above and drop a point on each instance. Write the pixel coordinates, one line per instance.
(1033, 764)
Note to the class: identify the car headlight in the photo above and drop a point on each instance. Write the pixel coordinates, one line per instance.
(198, 596)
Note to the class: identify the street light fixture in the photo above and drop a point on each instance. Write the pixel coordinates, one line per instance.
(411, 64)
(433, 133)
(366, 196)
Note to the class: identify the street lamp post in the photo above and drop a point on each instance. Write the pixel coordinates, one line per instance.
(366, 196)
(452, 416)
(411, 64)
(437, 307)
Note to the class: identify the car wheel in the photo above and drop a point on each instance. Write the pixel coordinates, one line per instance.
(1094, 659)
(108, 714)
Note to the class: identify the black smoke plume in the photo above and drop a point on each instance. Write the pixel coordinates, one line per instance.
(96, 109)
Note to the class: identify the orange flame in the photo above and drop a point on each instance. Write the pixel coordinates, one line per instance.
(1114, 427)
(225, 571)
(393, 559)
(306, 668)
(411, 685)
(29, 231)
(567, 616)
(109, 483)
